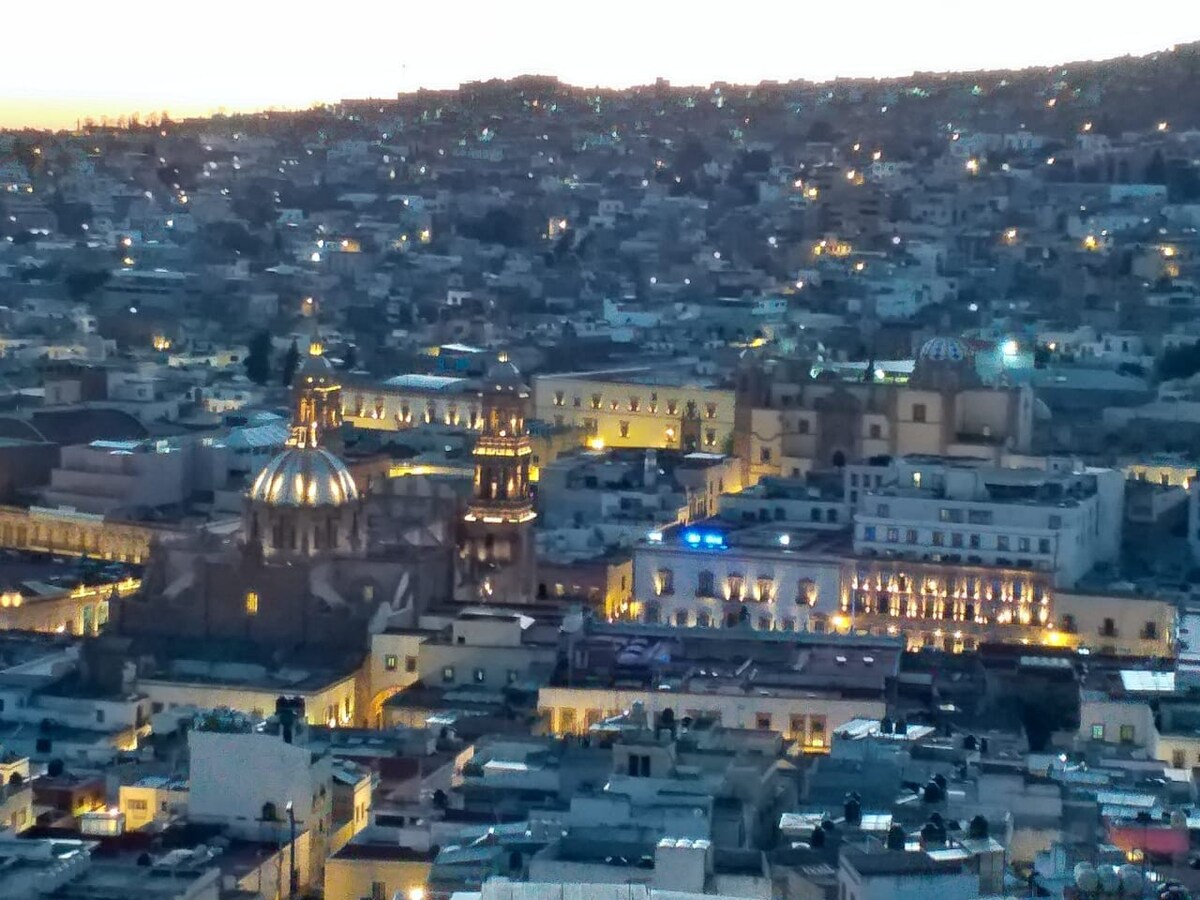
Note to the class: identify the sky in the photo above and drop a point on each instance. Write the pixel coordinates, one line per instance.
(195, 57)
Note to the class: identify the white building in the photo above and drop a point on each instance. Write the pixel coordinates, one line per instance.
(772, 575)
(1060, 517)
(258, 777)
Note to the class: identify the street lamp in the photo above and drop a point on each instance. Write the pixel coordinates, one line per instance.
(292, 851)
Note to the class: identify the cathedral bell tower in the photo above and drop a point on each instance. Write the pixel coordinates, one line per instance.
(498, 544)
(304, 503)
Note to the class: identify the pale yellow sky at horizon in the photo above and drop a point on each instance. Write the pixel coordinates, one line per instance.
(192, 58)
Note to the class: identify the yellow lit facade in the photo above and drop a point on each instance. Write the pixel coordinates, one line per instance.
(381, 407)
(624, 413)
(806, 719)
(947, 608)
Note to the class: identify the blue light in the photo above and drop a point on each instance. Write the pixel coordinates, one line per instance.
(714, 540)
(692, 537)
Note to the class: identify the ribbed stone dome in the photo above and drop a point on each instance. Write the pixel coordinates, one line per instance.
(945, 349)
(304, 476)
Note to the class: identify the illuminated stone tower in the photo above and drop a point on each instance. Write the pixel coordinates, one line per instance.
(498, 543)
(304, 502)
(317, 398)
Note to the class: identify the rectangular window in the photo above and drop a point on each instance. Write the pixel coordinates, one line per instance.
(480, 676)
(869, 533)
(137, 805)
(664, 582)
(802, 426)
(979, 516)
(1043, 545)
(1002, 542)
(410, 664)
(875, 431)
(251, 603)
(737, 586)
(448, 674)
(1127, 734)
(883, 510)
(974, 542)
(939, 539)
(956, 539)
(1023, 545)
(762, 721)
(1098, 732)
(893, 535)
(918, 412)
(624, 427)
(816, 731)
(764, 454)
(910, 536)
(391, 662)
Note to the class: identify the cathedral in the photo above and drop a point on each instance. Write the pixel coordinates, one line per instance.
(317, 566)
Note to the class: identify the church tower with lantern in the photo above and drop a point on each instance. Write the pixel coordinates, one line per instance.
(304, 503)
(498, 542)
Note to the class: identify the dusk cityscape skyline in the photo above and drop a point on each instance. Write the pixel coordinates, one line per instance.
(248, 57)
(440, 478)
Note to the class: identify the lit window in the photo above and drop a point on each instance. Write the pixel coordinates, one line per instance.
(390, 662)
(1098, 732)
(251, 603)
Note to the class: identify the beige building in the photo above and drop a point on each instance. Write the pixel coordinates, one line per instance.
(409, 401)
(369, 870)
(328, 700)
(789, 423)
(639, 407)
(806, 717)
(152, 798)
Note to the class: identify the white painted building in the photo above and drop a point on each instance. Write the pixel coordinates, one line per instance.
(708, 575)
(254, 777)
(1063, 517)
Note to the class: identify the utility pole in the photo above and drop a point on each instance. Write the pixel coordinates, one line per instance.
(291, 811)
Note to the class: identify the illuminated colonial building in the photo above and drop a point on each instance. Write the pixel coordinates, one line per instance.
(640, 408)
(306, 570)
(789, 423)
(410, 401)
(1059, 517)
(497, 544)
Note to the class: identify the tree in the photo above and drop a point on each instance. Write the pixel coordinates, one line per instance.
(1179, 362)
(258, 358)
(80, 283)
(291, 361)
(1156, 169)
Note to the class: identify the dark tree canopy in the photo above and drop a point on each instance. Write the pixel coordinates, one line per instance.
(258, 358)
(291, 361)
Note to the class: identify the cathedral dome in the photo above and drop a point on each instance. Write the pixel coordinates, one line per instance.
(304, 476)
(945, 349)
